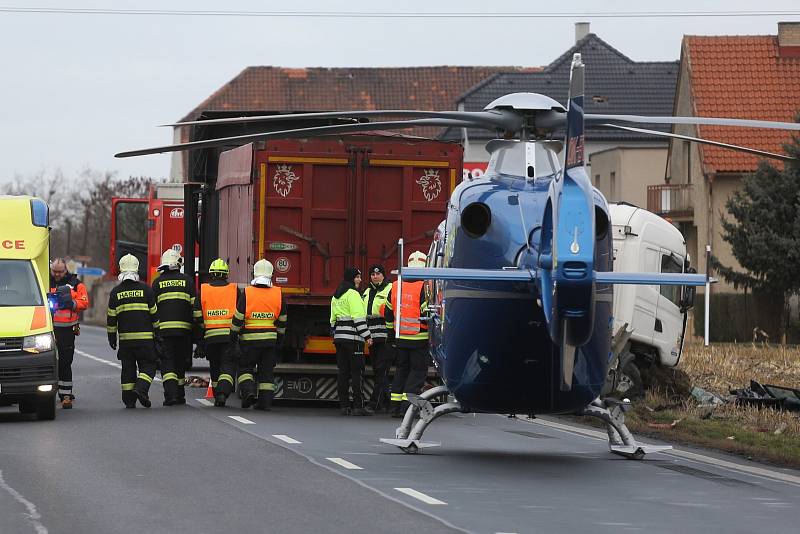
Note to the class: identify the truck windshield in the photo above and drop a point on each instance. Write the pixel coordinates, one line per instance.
(18, 284)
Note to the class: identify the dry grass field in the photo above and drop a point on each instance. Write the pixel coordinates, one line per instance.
(761, 434)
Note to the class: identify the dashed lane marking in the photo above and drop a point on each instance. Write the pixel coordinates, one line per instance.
(287, 439)
(205, 402)
(427, 499)
(344, 463)
(242, 420)
(33, 514)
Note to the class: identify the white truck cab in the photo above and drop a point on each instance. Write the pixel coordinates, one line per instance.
(649, 320)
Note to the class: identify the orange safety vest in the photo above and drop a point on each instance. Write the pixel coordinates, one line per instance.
(410, 323)
(65, 318)
(263, 304)
(218, 304)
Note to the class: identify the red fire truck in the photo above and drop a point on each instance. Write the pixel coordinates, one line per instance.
(312, 207)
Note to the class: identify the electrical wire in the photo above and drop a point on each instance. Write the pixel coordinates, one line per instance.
(389, 15)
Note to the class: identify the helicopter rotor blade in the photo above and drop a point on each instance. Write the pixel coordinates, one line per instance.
(498, 119)
(301, 132)
(747, 123)
(754, 151)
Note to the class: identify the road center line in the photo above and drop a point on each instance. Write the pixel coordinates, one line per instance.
(427, 499)
(287, 439)
(344, 463)
(205, 402)
(107, 362)
(33, 513)
(242, 420)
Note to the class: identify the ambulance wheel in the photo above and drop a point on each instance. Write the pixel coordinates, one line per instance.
(46, 409)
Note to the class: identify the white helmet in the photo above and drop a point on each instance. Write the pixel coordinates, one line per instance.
(170, 259)
(128, 264)
(417, 259)
(263, 268)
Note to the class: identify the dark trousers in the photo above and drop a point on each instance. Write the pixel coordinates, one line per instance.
(350, 361)
(132, 379)
(65, 342)
(222, 362)
(256, 373)
(176, 350)
(382, 355)
(412, 368)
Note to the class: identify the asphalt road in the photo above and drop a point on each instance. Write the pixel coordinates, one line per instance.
(101, 468)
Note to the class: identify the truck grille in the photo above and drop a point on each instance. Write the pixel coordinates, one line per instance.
(27, 374)
(8, 344)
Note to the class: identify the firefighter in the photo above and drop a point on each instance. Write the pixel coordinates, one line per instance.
(175, 295)
(381, 352)
(217, 304)
(412, 341)
(350, 332)
(71, 300)
(133, 317)
(258, 321)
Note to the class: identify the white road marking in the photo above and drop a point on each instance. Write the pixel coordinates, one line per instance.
(107, 362)
(287, 439)
(33, 513)
(427, 499)
(692, 456)
(205, 402)
(242, 419)
(344, 463)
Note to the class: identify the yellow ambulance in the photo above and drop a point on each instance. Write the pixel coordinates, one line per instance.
(28, 359)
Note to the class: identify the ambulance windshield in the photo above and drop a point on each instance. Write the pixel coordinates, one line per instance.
(18, 285)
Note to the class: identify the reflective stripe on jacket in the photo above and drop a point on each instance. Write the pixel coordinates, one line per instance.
(259, 316)
(218, 304)
(374, 301)
(348, 317)
(414, 311)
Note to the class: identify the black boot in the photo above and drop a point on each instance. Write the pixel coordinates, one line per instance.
(249, 399)
(144, 400)
(264, 402)
(361, 411)
(219, 400)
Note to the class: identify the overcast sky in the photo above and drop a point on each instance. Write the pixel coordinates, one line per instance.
(76, 88)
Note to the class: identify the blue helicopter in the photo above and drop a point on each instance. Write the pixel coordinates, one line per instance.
(521, 279)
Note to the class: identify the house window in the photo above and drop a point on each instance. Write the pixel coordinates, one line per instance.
(597, 180)
(613, 188)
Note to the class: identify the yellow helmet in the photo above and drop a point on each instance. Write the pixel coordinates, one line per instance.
(263, 268)
(170, 259)
(128, 264)
(218, 267)
(417, 259)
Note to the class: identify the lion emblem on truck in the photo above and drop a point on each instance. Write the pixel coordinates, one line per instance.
(283, 180)
(431, 184)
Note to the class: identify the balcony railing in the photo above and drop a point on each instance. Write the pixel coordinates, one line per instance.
(671, 200)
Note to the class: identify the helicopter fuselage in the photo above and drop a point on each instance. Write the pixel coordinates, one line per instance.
(490, 339)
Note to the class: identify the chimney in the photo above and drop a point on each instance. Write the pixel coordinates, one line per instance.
(582, 30)
(789, 39)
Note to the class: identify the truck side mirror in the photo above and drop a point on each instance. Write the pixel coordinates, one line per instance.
(688, 294)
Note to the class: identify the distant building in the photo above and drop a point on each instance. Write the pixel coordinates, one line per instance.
(285, 90)
(621, 164)
(749, 77)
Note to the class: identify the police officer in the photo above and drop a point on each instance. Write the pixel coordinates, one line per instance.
(72, 299)
(381, 352)
(217, 303)
(259, 320)
(175, 295)
(412, 341)
(133, 317)
(350, 332)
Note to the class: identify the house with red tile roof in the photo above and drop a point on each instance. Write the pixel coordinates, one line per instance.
(269, 89)
(747, 77)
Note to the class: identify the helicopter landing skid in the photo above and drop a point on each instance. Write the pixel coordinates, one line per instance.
(620, 439)
(418, 416)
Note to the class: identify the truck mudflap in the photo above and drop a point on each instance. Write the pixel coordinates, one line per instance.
(318, 382)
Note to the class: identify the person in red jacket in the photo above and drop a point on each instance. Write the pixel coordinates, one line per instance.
(71, 300)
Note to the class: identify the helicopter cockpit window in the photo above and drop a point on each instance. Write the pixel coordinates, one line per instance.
(671, 264)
